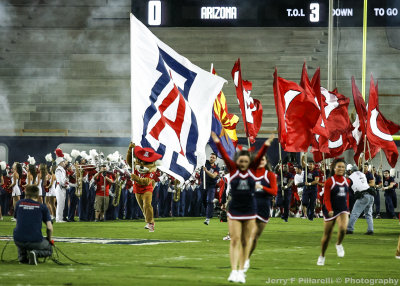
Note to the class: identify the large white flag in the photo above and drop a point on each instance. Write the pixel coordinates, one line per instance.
(171, 103)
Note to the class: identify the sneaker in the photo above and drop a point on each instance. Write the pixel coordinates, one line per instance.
(207, 221)
(151, 227)
(13, 219)
(60, 221)
(278, 213)
(32, 258)
(146, 226)
(241, 277)
(340, 250)
(321, 261)
(233, 276)
(369, 232)
(227, 237)
(349, 232)
(1, 218)
(246, 265)
(398, 257)
(378, 216)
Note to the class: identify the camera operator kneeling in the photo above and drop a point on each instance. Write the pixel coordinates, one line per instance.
(28, 237)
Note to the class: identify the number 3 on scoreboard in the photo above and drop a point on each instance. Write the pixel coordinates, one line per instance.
(314, 15)
(154, 15)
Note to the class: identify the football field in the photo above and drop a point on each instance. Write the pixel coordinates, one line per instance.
(184, 251)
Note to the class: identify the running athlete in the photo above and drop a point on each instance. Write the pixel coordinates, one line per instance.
(242, 207)
(266, 189)
(335, 208)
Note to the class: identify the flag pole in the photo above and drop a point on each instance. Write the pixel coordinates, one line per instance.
(369, 151)
(324, 164)
(280, 160)
(306, 167)
(204, 178)
(365, 146)
(364, 48)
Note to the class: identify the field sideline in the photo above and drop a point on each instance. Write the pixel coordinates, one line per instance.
(286, 250)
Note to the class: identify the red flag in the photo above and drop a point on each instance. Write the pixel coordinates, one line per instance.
(333, 128)
(251, 108)
(379, 129)
(360, 126)
(297, 115)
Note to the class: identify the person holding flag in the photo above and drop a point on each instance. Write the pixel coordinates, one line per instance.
(211, 171)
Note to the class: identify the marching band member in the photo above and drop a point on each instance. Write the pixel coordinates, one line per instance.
(310, 187)
(103, 183)
(242, 208)
(62, 185)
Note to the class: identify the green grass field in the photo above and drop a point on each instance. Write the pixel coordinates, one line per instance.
(286, 250)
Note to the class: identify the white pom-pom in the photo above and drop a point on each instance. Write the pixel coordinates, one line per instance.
(68, 157)
(31, 160)
(3, 165)
(49, 158)
(75, 153)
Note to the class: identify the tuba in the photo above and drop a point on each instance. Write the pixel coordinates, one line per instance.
(79, 180)
(177, 194)
(118, 189)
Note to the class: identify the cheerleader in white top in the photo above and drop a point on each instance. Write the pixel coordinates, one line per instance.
(15, 183)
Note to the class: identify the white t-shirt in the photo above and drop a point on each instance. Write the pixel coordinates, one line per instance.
(360, 182)
(298, 179)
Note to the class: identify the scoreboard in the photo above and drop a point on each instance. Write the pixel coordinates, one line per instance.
(264, 13)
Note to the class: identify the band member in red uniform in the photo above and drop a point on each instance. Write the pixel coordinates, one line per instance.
(103, 184)
(335, 208)
(266, 189)
(242, 207)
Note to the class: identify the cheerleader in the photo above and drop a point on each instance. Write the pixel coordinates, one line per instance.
(335, 208)
(40, 182)
(266, 189)
(15, 180)
(51, 194)
(242, 207)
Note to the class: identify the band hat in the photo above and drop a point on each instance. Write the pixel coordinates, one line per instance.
(59, 160)
(146, 154)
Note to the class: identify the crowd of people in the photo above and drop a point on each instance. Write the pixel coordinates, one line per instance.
(97, 188)
(107, 187)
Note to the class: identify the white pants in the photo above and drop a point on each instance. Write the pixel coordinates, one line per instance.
(60, 195)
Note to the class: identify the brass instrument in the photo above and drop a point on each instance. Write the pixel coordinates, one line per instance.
(118, 190)
(177, 194)
(79, 180)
